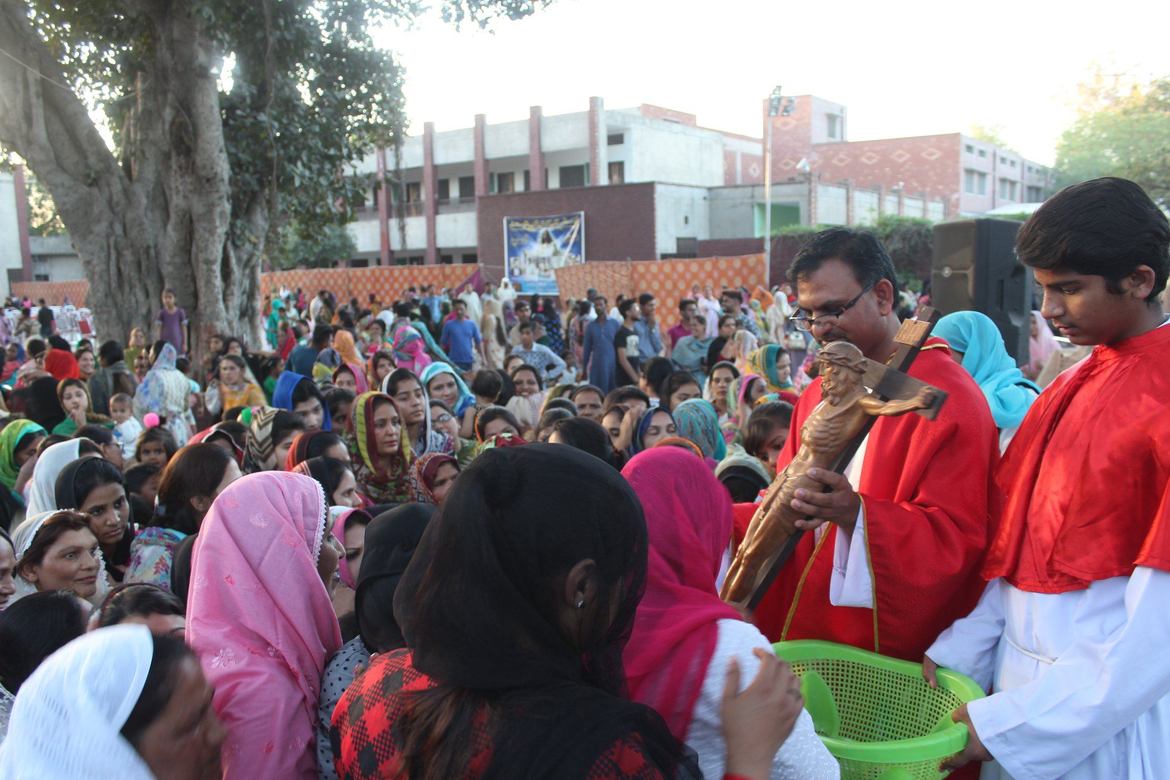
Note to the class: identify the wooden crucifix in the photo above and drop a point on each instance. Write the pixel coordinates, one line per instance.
(856, 391)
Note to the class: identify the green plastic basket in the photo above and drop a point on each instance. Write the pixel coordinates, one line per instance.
(876, 715)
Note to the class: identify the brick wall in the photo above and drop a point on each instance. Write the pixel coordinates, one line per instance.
(54, 293)
(619, 220)
(387, 282)
(667, 280)
(926, 164)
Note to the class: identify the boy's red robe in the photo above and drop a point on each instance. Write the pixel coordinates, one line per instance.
(926, 486)
(1086, 480)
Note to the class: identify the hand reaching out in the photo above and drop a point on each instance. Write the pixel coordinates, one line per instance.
(757, 721)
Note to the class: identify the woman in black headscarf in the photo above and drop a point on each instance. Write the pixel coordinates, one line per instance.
(95, 488)
(517, 618)
(390, 542)
(41, 404)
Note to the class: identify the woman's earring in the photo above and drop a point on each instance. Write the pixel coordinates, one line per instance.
(580, 603)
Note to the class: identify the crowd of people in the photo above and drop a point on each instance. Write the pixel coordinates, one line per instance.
(483, 534)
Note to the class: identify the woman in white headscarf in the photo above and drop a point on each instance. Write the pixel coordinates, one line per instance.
(42, 496)
(166, 391)
(87, 568)
(87, 711)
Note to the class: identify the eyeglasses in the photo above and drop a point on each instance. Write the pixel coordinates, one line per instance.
(804, 322)
(443, 418)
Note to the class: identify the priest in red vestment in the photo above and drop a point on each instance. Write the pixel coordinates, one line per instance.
(893, 552)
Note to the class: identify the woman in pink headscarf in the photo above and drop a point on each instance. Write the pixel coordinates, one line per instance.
(260, 618)
(1041, 346)
(684, 636)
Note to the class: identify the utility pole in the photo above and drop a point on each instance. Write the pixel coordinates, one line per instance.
(773, 111)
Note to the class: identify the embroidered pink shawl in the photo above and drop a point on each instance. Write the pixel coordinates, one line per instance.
(261, 621)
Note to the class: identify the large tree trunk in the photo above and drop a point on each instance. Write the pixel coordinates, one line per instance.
(163, 217)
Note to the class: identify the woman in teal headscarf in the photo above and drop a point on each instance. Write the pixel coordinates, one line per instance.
(459, 400)
(272, 324)
(18, 442)
(773, 364)
(979, 348)
(697, 421)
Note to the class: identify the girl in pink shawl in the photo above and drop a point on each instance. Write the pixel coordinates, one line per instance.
(684, 636)
(1041, 345)
(259, 617)
(408, 347)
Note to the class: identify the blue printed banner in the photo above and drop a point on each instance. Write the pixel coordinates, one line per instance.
(535, 247)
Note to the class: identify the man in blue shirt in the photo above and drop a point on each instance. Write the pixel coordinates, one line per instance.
(548, 363)
(599, 356)
(649, 337)
(732, 303)
(301, 360)
(461, 339)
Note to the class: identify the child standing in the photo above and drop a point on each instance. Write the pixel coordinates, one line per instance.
(171, 323)
(487, 386)
(126, 427)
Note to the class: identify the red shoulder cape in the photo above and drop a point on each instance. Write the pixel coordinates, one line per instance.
(1086, 479)
(925, 486)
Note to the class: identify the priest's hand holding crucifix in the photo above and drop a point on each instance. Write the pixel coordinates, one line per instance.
(838, 505)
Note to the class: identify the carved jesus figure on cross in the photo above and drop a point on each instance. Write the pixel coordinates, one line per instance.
(829, 439)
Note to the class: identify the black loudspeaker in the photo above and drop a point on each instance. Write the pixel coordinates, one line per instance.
(975, 268)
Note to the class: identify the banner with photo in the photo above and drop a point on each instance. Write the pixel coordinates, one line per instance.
(535, 247)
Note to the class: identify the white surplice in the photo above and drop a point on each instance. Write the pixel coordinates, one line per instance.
(1081, 679)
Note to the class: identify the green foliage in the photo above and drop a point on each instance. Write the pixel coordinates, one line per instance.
(43, 219)
(910, 243)
(1122, 131)
(310, 92)
(992, 134)
(320, 248)
(801, 231)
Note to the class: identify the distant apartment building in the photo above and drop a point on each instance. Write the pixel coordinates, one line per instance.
(969, 175)
(653, 183)
(642, 176)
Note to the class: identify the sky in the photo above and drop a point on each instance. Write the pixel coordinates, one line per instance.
(901, 67)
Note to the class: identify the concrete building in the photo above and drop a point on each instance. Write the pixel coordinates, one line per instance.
(454, 187)
(969, 175)
(15, 254)
(652, 182)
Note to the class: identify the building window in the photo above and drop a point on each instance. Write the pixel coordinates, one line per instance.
(466, 189)
(470, 259)
(40, 277)
(527, 182)
(833, 127)
(446, 259)
(1007, 189)
(617, 173)
(506, 182)
(615, 139)
(444, 188)
(982, 152)
(413, 192)
(1035, 194)
(573, 176)
(974, 182)
(969, 149)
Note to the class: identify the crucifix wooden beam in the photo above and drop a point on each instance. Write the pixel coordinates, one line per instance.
(888, 382)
